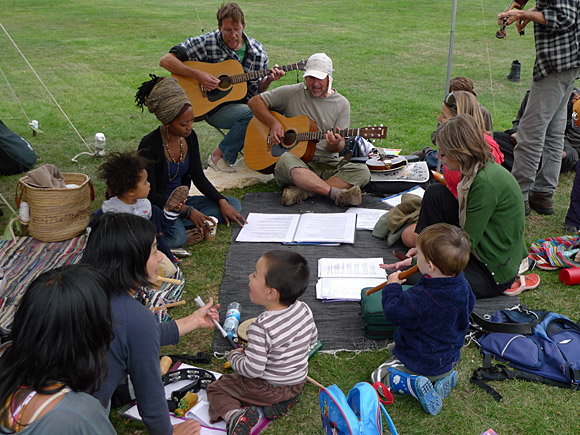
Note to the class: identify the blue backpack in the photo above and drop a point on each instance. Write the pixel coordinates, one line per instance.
(359, 413)
(540, 346)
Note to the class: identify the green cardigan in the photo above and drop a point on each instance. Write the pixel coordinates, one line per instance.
(495, 221)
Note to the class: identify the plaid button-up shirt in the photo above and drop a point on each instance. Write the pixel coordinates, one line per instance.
(211, 48)
(558, 41)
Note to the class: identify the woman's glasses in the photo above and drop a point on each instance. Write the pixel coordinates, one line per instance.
(450, 101)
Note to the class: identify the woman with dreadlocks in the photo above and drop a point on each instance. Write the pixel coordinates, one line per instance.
(174, 151)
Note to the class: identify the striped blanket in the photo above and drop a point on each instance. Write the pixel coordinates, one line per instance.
(23, 259)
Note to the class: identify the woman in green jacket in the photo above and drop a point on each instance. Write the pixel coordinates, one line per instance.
(489, 207)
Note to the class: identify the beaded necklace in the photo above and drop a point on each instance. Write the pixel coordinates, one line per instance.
(181, 155)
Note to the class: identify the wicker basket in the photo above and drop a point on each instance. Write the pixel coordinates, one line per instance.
(58, 214)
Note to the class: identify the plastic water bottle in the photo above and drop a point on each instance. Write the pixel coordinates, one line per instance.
(232, 319)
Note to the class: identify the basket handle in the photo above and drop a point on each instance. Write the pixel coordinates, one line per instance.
(18, 198)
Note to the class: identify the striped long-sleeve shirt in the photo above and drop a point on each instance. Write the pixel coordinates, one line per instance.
(278, 346)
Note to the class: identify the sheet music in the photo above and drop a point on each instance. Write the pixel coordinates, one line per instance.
(351, 268)
(366, 218)
(344, 289)
(315, 228)
(342, 279)
(395, 200)
(326, 227)
(262, 227)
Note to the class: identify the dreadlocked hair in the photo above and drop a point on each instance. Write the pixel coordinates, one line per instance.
(144, 91)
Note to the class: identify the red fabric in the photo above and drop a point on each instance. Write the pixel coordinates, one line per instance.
(452, 178)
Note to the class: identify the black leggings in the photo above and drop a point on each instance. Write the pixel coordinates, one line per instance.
(439, 205)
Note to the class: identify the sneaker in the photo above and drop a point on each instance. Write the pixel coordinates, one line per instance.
(280, 409)
(242, 422)
(349, 197)
(444, 385)
(571, 229)
(293, 195)
(180, 252)
(543, 203)
(176, 198)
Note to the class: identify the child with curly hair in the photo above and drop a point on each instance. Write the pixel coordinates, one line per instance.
(127, 188)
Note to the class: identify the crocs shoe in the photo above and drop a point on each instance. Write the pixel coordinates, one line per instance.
(242, 422)
(444, 385)
(417, 386)
(280, 409)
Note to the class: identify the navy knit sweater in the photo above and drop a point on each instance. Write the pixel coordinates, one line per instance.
(433, 317)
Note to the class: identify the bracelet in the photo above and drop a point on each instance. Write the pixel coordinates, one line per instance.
(188, 210)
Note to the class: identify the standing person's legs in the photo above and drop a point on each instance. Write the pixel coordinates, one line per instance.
(547, 176)
(236, 118)
(547, 101)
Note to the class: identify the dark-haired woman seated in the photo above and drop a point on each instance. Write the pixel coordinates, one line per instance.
(124, 247)
(174, 151)
(58, 354)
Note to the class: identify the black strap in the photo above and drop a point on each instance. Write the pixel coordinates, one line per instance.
(479, 323)
(199, 358)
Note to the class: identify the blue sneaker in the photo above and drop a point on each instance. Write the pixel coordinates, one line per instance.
(417, 386)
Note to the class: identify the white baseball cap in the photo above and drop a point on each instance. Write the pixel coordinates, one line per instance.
(318, 65)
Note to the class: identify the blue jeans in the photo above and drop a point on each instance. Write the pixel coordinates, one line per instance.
(235, 118)
(176, 236)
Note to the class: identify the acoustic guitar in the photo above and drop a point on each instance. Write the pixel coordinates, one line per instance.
(232, 86)
(300, 137)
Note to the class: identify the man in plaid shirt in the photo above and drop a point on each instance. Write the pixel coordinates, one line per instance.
(228, 42)
(542, 127)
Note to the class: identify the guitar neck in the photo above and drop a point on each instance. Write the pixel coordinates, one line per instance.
(318, 135)
(253, 75)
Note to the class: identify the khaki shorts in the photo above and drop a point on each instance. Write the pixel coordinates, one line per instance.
(356, 174)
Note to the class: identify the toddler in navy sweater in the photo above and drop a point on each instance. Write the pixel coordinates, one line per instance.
(432, 316)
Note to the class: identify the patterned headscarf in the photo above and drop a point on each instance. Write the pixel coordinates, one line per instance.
(166, 99)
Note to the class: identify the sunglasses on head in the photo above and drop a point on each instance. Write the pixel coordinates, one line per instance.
(450, 101)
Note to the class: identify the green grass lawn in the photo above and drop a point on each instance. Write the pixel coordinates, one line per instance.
(390, 60)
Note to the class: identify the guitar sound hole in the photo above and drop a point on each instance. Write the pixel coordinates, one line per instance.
(225, 82)
(289, 138)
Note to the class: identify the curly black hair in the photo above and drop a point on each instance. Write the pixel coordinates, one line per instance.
(121, 172)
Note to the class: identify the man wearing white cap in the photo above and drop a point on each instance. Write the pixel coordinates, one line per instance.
(326, 174)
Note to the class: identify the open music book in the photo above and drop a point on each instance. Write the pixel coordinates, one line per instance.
(342, 279)
(309, 228)
(199, 411)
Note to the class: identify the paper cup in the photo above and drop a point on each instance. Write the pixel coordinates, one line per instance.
(210, 228)
(570, 276)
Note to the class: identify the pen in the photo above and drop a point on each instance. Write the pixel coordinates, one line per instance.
(201, 304)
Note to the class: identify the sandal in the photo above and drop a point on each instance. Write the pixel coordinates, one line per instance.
(220, 166)
(522, 283)
(176, 198)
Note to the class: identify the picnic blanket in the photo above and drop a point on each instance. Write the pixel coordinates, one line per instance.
(23, 259)
(339, 323)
